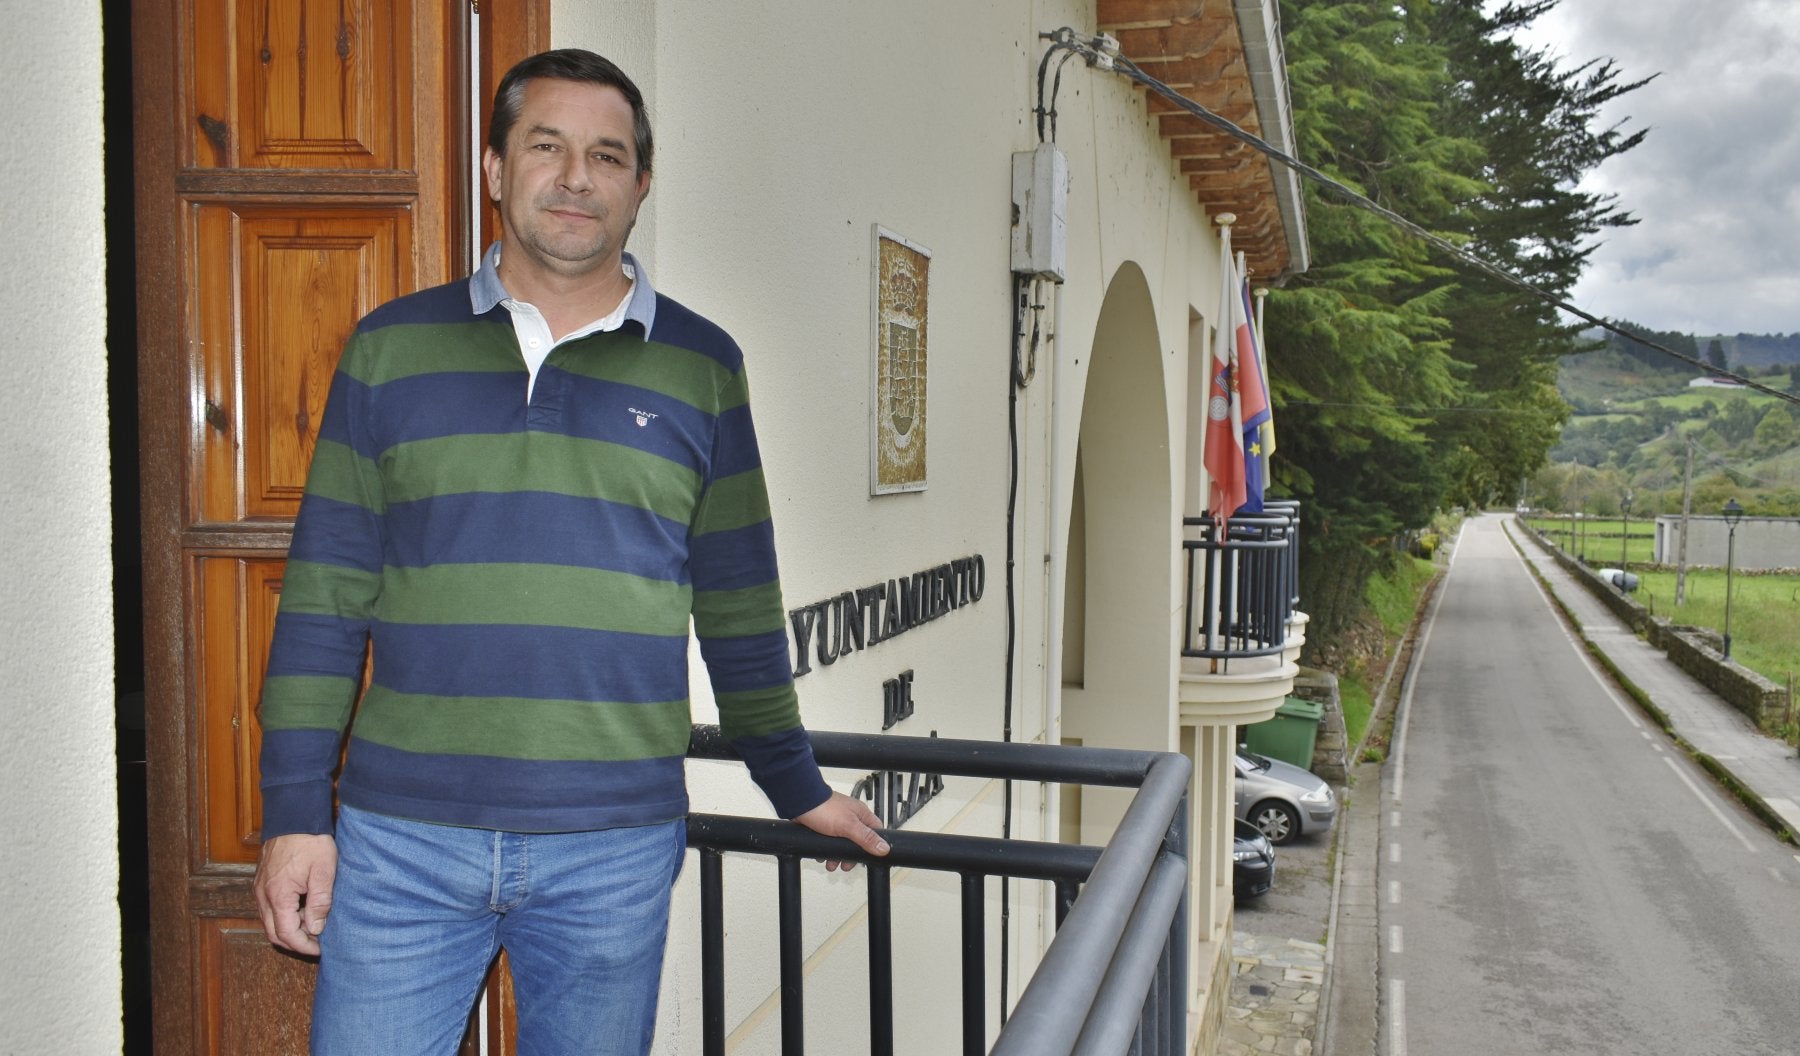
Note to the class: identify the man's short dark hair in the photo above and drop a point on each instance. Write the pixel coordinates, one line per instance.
(567, 64)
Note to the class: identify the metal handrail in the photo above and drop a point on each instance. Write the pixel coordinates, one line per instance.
(1243, 582)
(1113, 980)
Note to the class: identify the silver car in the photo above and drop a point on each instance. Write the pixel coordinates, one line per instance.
(1281, 799)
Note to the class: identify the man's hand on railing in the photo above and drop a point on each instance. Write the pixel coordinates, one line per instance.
(849, 818)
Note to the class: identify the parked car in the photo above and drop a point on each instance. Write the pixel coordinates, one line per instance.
(1281, 799)
(1252, 862)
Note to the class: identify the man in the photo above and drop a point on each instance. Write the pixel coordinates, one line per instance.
(525, 486)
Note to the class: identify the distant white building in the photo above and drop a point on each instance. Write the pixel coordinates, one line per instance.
(1760, 543)
(1708, 381)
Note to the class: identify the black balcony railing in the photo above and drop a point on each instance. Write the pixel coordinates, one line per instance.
(1114, 979)
(1243, 582)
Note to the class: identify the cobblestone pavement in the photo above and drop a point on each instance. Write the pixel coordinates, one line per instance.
(1278, 955)
(1275, 987)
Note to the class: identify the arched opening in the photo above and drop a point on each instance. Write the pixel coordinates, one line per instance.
(1118, 667)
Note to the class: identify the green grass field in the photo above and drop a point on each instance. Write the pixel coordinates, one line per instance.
(1765, 609)
(1690, 401)
(1765, 630)
(1600, 538)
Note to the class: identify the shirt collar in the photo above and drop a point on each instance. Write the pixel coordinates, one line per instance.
(486, 290)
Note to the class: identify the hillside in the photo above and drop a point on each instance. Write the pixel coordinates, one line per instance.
(1635, 415)
(1758, 350)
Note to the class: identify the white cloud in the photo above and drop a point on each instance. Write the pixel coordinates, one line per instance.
(1714, 184)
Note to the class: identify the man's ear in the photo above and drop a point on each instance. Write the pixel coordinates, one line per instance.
(490, 166)
(643, 187)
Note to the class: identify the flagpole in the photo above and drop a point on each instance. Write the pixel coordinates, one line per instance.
(1221, 603)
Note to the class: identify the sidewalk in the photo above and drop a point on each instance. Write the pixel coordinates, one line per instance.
(1764, 768)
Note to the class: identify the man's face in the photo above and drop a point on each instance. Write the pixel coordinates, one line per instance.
(568, 187)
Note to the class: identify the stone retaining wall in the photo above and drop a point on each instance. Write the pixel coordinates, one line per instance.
(1696, 650)
(1330, 752)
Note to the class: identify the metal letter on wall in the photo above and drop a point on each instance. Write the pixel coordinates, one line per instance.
(901, 294)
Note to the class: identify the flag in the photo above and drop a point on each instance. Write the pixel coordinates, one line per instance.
(1253, 396)
(1262, 361)
(1223, 456)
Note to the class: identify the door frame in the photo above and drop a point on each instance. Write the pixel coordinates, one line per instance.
(508, 31)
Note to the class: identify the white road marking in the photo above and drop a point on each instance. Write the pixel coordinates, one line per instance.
(1394, 853)
(1778, 874)
(1404, 708)
(1710, 805)
(1394, 943)
(1393, 892)
(1581, 652)
(1397, 1018)
(1394, 819)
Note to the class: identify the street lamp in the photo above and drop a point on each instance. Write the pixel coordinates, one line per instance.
(1733, 514)
(1624, 533)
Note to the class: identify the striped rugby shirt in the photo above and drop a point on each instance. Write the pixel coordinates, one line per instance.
(526, 572)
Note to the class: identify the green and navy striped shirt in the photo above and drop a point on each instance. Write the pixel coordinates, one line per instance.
(526, 571)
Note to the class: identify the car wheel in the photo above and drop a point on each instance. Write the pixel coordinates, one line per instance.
(1276, 820)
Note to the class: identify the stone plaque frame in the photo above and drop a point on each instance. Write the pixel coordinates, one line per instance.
(899, 297)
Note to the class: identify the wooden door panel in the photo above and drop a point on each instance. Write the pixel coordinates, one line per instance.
(286, 286)
(236, 617)
(304, 84)
(240, 970)
(298, 163)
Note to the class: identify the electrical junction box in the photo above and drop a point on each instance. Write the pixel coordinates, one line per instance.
(1040, 195)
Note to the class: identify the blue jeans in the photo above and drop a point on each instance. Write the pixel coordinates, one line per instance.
(419, 911)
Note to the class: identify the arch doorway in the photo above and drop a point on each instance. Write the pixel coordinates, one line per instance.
(1118, 667)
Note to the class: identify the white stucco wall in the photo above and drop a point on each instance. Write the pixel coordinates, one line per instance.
(785, 132)
(59, 875)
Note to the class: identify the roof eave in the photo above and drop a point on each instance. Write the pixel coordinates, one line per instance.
(1259, 28)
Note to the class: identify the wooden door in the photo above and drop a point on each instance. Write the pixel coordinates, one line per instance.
(298, 163)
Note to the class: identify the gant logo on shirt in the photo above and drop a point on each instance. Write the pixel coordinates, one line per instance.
(643, 417)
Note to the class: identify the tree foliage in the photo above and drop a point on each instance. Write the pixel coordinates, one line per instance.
(1406, 381)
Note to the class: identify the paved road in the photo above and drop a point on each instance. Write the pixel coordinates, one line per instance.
(1556, 877)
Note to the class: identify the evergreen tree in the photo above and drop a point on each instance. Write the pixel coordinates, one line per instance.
(1363, 344)
(1534, 126)
(1405, 380)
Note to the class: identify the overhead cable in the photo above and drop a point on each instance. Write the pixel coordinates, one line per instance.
(1102, 52)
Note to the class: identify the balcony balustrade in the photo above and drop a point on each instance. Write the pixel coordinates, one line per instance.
(1242, 583)
(1113, 980)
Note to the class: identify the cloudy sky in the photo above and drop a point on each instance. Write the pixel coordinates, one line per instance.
(1716, 185)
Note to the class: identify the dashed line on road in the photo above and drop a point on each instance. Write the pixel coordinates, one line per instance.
(1393, 892)
(1393, 819)
(1397, 1018)
(1394, 853)
(1395, 945)
(1778, 874)
(1710, 805)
